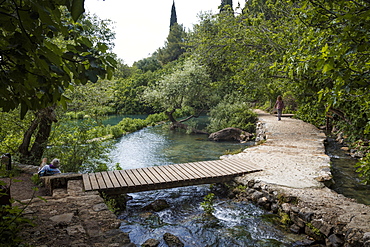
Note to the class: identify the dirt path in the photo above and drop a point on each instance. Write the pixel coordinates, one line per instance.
(22, 186)
(293, 154)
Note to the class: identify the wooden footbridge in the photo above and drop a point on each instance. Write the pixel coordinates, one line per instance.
(167, 176)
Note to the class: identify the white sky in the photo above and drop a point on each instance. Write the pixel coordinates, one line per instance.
(142, 26)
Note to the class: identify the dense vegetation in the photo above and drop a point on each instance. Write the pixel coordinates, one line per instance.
(313, 53)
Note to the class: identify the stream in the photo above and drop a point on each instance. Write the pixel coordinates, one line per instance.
(347, 181)
(235, 224)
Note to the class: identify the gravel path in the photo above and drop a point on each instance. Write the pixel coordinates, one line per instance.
(292, 156)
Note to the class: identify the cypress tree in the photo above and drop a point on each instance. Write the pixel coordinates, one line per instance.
(224, 3)
(173, 15)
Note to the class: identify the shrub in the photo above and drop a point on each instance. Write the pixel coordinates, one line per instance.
(207, 204)
(152, 119)
(116, 131)
(131, 125)
(237, 115)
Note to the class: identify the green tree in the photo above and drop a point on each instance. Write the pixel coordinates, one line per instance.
(332, 64)
(122, 70)
(173, 15)
(188, 86)
(12, 129)
(35, 67)
(128, 91)
(333, 57)
(226, 5)
(98, 30)
(148, 64)
(174, 45)
(92, 99)
(237, 115)
(43, 52)
(239, 51)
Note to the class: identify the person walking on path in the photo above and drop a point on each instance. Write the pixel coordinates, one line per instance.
(279, 105)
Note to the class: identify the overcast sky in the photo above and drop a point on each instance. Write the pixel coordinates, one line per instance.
(142, 26)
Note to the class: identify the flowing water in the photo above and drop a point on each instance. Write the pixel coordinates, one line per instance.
(235, 224)
(344, 173)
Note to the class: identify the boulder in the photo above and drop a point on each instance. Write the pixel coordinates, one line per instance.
(157, 205)
(151, 243)
(230, 134)
(172, 240)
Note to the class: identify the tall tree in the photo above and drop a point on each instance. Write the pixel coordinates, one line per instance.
(174, 45)
(226, 5)
(173, 15)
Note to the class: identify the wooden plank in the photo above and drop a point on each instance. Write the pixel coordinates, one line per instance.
(175, 171)
(171, 173)
(186, 178)
(107, 180)
(86, 181)
(113, 178)
(163, 175)
(205, 168)
(127, 178)
(217, 168)
(145, 176)
(100, 180)
(192, 171)
(222, 170)
(156, 174)
(199, 167)
(187, 170)
(243, 167)
(94, 182)
(231, 165)
(248, 164)
(227, 167)
(133, 178)
(120, 179)
(160, 177)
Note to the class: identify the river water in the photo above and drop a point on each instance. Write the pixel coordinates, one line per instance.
(235, 224)
(347, 181)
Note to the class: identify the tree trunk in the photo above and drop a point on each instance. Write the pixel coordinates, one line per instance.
(23, 148)
(170, 116)
(42, 123)
(180, 125)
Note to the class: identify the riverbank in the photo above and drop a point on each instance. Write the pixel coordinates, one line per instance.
(292, 183)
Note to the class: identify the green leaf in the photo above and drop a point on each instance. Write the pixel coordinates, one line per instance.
(92, 75)
(327, 67)
(77, 9)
